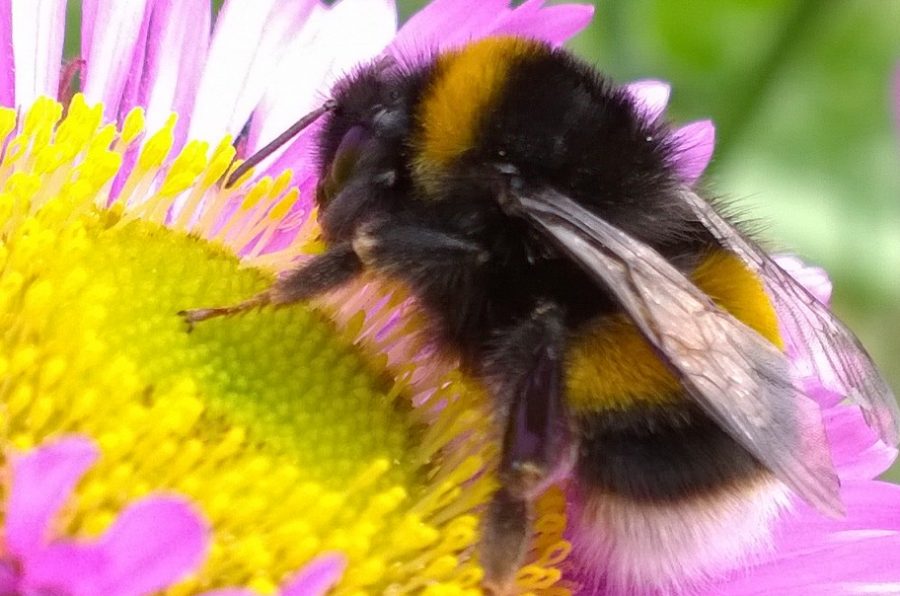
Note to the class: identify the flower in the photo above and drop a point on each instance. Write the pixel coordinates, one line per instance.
(338, 453)
(316, 577)
(695, 140)
(152, 543)
(292, 446)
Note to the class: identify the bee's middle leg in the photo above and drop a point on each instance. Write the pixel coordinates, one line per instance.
(406, 250)
(526, 376)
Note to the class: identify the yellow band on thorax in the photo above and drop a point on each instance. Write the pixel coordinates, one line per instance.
(466, 84)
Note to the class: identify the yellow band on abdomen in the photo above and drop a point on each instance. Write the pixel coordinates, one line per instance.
(610, 366)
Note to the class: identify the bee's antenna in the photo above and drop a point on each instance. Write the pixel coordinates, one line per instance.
(280, 140)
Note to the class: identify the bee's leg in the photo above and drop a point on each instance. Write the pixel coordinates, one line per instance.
(526, 372)
(322, 273)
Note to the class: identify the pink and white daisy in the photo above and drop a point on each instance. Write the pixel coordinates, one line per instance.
(180, 414)
(302, 499)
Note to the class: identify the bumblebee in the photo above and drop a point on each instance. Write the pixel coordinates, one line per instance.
(624, 328)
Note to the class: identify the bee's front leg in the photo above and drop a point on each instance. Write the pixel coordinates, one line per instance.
(526, 376)
(324, 272)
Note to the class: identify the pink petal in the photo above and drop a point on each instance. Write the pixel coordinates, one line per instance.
(67, 567)
(819, 555)
(9, 577)
(317, 576)
(857, 452)
(867, 565)
(42, 481)
(133, 89)
(694, 144)
(163, 78)
(330, 45)
(177, 42)
(871, 505)
(814, 279)
(446, 23)
(651, 97)
(7, 61)
(112, 52)
(153, 544)
(37, 36)
(247, 45)
(299, 80)
(299, 156)
(89, 10)
(314, 579)
(553, 24)
(896, 96)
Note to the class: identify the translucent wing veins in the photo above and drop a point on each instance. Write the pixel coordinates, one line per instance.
(737, 377)
(827, 348)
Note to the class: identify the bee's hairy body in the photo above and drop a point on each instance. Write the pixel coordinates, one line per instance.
(556, 122)
(624, 329)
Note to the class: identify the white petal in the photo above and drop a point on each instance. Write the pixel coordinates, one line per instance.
(38, 27)
(110, 33)
(651, 96)
(7, 60)
(332, 44)
(248, 43)
(179, 38)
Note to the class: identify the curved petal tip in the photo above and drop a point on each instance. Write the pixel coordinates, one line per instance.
(42, 481)
(317, 577)
(651, 96)
(153, 544)
(814, 279)
(695, 143)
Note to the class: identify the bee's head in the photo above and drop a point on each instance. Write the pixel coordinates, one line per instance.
(360, 136)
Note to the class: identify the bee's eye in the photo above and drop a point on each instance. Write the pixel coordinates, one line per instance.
(342, 165)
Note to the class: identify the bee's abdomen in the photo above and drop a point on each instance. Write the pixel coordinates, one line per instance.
(665, 499)
(660, 453)
(642, 437)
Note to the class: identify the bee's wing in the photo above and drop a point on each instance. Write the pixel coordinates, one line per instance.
(736, 376)
(825, 345)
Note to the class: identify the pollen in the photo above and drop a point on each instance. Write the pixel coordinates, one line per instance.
(295, 431)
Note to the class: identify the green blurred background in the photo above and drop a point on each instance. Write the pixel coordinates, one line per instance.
(800, 91)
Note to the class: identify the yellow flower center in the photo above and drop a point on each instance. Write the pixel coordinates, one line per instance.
(282, 425)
